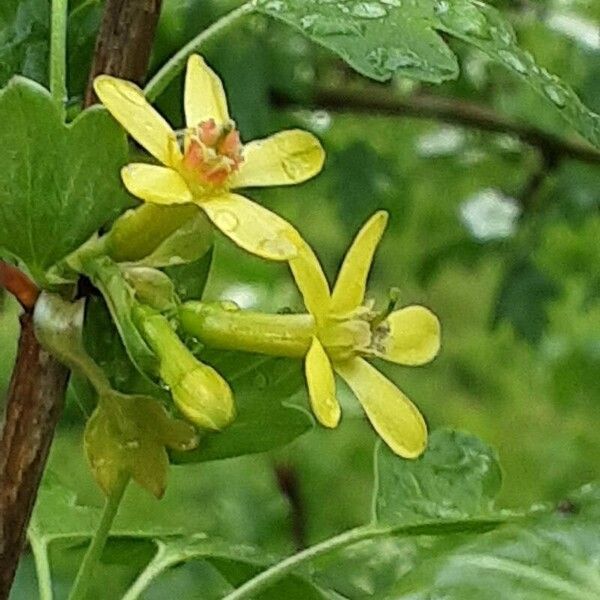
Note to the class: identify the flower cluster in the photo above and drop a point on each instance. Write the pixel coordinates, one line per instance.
(201, 165)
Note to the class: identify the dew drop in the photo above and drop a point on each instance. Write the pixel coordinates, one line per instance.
(369, 10)
(441, 7)
(278, 248)
(308, 22)
(396, 3)
(274, 6)
(226, 220)
(513, 61)
(556, 95)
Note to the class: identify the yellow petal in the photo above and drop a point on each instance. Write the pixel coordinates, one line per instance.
(151, 183)
(395, 418)
(286, 158)
(349, 291)
(251, 226)
(127, 104)
(204, 94)
(409, 336)
(321, 385)
(310, 279)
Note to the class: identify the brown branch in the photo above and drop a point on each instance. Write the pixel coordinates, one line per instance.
(19, 285)
(380, 99)
(287, 480)
(38, 383)
(124, 45)
(34, 404)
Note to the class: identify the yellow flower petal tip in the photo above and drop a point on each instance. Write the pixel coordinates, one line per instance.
(409, 336)
(285, 158)
(159, 185)
(204, 95)
(321, 386)
(395, 418)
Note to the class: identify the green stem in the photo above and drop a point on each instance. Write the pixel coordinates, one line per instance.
(94, 551)
(176, 63)
(160, 563)
(42, 567)
(58, 54)
(257, 584)
(263, 580)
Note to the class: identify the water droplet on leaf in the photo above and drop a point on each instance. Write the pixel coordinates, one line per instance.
(369, 10)
(556, 95)
(512, 60)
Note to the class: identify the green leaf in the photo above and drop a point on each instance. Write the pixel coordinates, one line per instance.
(190, 279)
(105, 346)
(129, 435)
(58, 183)
(119, 296)
(447, 493)
(60, 515)
(457, 477)
(380, 38)
(262, 388)
(24, 39)
(549, 557)
(524, 294)
(376, 38)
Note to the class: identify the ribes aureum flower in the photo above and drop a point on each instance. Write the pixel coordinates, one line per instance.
(347, 330)
(204, 162)
(340, 331)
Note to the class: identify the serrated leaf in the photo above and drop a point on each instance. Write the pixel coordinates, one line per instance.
(376, 38)
(549, 557)
(60, 515)
(457, 477)
(380, 38)
(58, 183)
(261, 386)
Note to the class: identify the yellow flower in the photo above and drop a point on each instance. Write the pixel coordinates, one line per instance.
(208, 160)
(346, 330)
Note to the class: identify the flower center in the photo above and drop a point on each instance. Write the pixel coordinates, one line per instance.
(344, 338)
(212, 152)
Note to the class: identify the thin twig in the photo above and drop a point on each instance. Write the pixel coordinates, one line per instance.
(375, 99)
(19, 285)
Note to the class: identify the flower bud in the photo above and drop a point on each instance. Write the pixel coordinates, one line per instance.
(198, 391)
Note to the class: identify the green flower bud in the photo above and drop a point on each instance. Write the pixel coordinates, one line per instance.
(199, 392)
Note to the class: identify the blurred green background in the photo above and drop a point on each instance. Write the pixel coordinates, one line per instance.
(511, 268)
